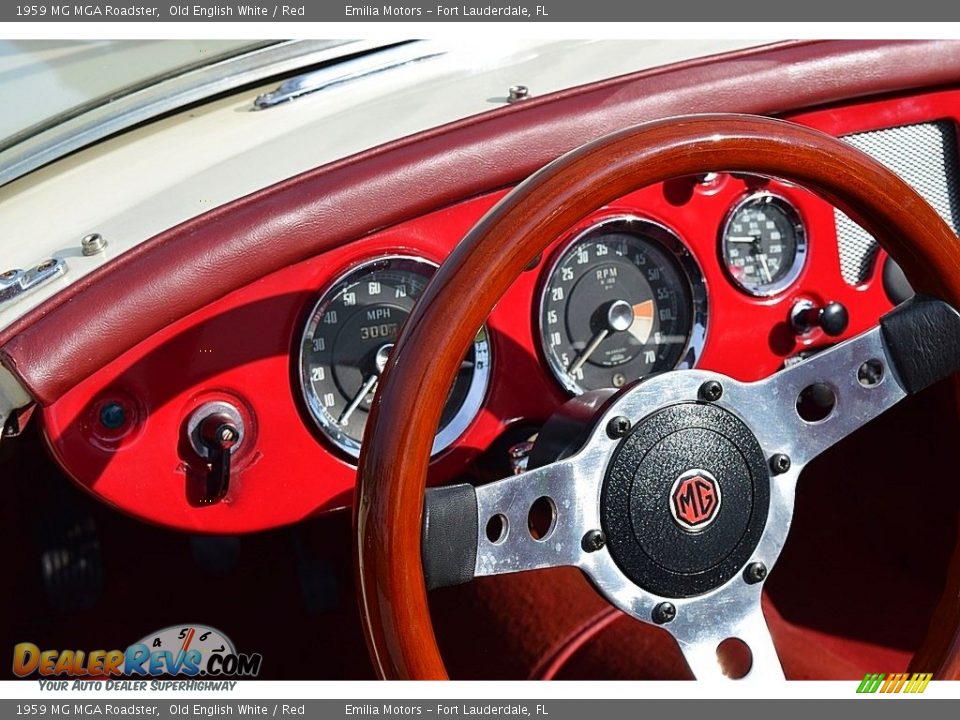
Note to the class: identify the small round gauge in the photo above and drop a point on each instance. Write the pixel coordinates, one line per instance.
(624, 299)
(764, 244)
(348, 338)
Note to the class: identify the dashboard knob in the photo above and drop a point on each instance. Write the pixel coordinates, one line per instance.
(215, 431)
(832, 318)
(220, 435)
(218, 432)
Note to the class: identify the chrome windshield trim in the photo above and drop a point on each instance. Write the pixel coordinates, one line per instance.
(87, 124)
(324, 78)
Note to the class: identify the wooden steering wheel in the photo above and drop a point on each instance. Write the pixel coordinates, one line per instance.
(604, 488)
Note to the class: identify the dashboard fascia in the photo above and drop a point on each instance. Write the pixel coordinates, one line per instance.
(243, 347)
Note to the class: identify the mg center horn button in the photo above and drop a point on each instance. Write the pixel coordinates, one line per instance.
(695, 500)
(685, 500)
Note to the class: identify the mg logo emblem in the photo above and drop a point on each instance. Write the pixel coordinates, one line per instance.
(695, 500)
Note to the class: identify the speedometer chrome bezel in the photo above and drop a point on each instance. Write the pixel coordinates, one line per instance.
(329, 429)
(792, 212)
(670, 241)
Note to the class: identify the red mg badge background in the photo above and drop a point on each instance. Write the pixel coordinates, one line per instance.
(695, 500)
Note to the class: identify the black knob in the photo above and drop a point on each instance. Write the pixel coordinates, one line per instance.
(832, 318)
(218, 432)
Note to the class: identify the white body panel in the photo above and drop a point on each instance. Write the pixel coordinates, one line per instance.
(144, 181)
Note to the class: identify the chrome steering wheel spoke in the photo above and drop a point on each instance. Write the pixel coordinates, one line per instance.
(712, 651)
(801, 411)
(679, 499)
(560, 498)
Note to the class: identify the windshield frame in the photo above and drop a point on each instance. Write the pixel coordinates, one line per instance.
(107, 115)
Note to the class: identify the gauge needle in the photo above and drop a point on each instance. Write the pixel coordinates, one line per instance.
(588, 351)
(762, 257)
(367, 387)
(743, 238)
(620, 316)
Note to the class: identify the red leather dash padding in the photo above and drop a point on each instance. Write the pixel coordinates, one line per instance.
(169, 276)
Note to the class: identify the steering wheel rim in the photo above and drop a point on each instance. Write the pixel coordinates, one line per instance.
(396, 449)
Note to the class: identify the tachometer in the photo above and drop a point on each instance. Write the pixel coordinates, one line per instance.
(348, 338)
(624, 299)
(764, 244)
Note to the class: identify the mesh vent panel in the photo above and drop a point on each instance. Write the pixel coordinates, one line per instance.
(925, 156)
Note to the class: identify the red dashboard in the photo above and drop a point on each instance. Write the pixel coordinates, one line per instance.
(242, 349)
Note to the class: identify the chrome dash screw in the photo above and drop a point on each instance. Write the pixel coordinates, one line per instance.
(518, 93)
(93, 244)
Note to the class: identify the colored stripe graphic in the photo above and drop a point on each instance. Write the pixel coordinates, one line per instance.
(894, 683)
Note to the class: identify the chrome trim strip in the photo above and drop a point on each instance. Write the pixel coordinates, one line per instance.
(14, 284)
(343, 72)
(87, 124)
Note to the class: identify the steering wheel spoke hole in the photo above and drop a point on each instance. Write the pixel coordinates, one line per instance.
(816, 402)
(542, 518)
(735, 658)
(497, 528)
(870, 374)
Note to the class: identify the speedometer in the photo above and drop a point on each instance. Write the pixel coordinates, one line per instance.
(624, 299)
(764, 244)
(348, 338)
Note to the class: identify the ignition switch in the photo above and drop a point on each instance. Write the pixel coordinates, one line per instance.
(216, 431)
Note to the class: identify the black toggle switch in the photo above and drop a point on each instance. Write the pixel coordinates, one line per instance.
(215, 431)
(832, 318)
(219, 435)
